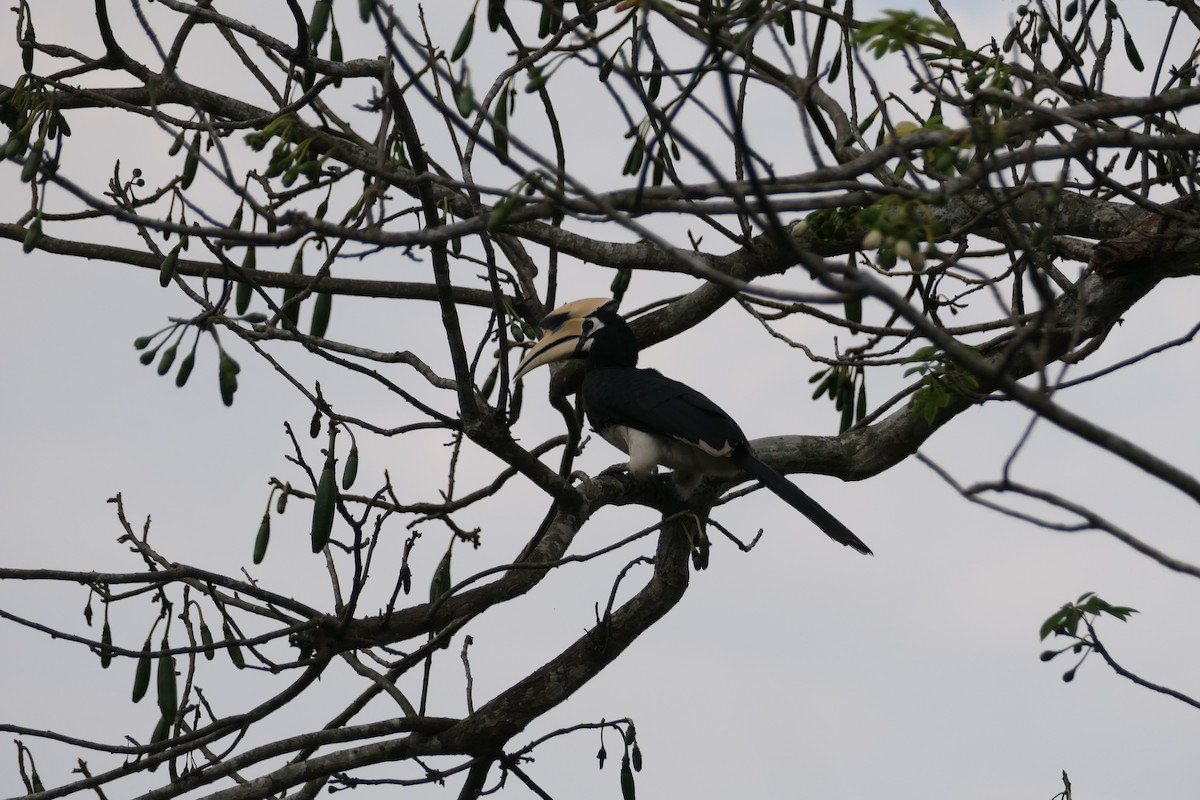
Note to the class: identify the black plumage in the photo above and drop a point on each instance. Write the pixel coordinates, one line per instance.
(657, 420)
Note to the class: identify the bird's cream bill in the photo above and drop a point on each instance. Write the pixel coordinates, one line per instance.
(561, 333)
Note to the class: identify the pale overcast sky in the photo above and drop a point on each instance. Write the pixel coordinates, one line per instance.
(799, 669)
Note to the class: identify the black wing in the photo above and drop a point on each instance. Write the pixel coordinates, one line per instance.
(649, 401)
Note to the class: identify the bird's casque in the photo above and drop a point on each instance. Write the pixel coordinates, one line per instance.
(653, 419)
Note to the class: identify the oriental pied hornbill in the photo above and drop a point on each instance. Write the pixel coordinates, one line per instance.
(654, 419)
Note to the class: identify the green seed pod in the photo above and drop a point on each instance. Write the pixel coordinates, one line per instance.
(27, 57)
(325, 504)
(588, 10)
(168, 358)
(633, 162)
(168, 699)
(245, 289)
(206, 639)
(514, 409)
(33, 161)
(636, 758)
(281, 503)
(495, 14)
(290, 310)
(314, 427)
(441, 584)
(489, 383)
(190, 163)
(319, 21)
(537, 79)
(235, 651)
(141, 676)
(660, 168)
(13, 146)
(33, 235)
(606, 68)
(162, 729)
(263, 538)
(350, 468)
(502, 211)
(1131, 52)
(789, 28)
(655, 83)
(335, 52)
(167, 271)
(464, 99)
(620, 282)
(320, 316)
(365, 7)
(227, 371)
(106, 645)
(185, 369)
(500, 127)
(176, 145)
(853, 308)
(628, 790)
(464, 38)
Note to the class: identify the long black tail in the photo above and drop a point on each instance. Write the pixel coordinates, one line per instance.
(798, 500)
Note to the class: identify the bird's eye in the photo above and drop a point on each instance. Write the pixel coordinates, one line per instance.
(588, 324)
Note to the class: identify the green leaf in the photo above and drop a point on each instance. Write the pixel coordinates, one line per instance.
(464, 38)
(440, 584)
(320, 316)
(319, 21)
(500, 125)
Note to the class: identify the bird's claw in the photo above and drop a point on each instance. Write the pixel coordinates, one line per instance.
(698, 544)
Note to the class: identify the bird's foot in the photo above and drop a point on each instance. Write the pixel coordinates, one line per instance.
(615, 471)
(698, 543)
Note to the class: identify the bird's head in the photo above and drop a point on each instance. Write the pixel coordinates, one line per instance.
(581, 329)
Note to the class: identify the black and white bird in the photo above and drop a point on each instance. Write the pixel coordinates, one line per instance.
(656, 420)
